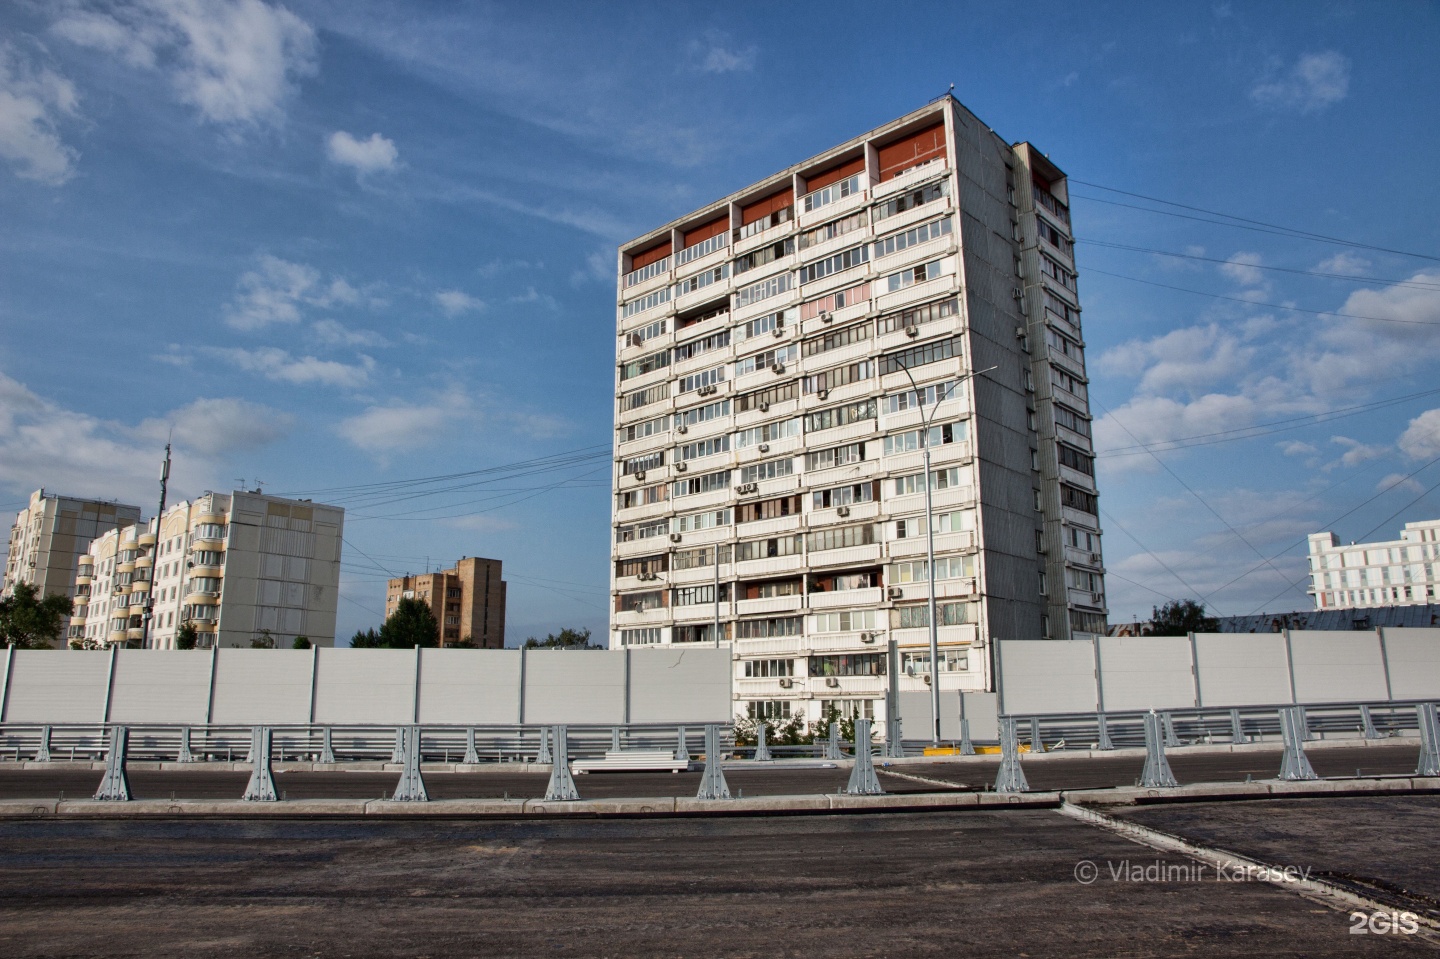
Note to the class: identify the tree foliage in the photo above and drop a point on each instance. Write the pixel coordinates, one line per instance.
(263, 641)
(365, 639)
(302, 642)
(411, 625)
(1179, 617)
(187, 636)
(565, 639)
(30, 623)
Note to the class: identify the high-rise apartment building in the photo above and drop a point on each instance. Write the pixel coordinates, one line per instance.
(51, 534)
(1400, 572)
(468, 601)
(786, 355)
(241, 567)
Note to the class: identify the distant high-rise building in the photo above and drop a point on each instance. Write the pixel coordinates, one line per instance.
(468, 601)
(50, 535)
(1399, 572)
(241, 567)
(780, 353)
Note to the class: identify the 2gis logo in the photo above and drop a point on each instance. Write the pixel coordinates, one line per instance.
(1383, 923)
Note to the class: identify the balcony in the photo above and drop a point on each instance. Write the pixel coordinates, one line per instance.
(847, 598)
(769, 604)
(911, 178)
(913, 547)
(846, 556)
(771, 564)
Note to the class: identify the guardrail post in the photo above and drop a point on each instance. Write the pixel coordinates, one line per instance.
(1429, 764)
(411, 787)
(397, 755)
(1294, 765)
(832, 743)
(1104, 725)
(472, 755)
(115, 786)
(1304, 724)
(42, 755)
(1237, 730)
(327, 745)
(544, 755)
(1167, 725)
(712, 783)
(682, 748)
(1157, 772)
(1367, 723)
(1037, 745)
(615, 738)
(184, 755)
(1010, 778)
(262, 778)
(894, 741)
(863, 781)
(762, 751)
(562, 785)
(967, 748)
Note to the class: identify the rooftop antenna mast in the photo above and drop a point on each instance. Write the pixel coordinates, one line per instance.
(155, 551)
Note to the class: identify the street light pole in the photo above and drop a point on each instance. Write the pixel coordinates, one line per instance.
(926, 423)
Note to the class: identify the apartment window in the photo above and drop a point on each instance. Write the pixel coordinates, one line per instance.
(845, 495)
(639, 602)
(838, 338)
(648, 332)
(768, 710)
(1084, 622)
(699, 595)
(1084, 579)
(1070, 419)
(856, 664)
(1082, 539)
(951, 660)
(769, 322)
(906, 239)
(639, 531)
(768, 397)
(709, 519)
(835, 456)
(703, 248)
(939, 435)
(1054, 237)
(638, 463)
(835, 191)
(710, 311)
(695, 381)
(919, 315)
(640, 637)
(837, 263)
(772, 217)
(204, 584)
(772, 589)
(921, 355)
(203, 557)
(835, 582)
(649, 270)
(955, 521)
(1043, 590)
(693, 284)
(715, 341)
(840, 537)
(762, 361)
(769, 668)
(769, 628)
(639, 398)
(839, 376)
(209, 531)
(700, 558)
(706, 447)
(770, 469)
(644, 496)
(834, 229)
(1062, 309)
(638, 431)
(1056, 272)
(694, 485)
(769, 548)
(1076, 460)
(769, 509)
(646, 302)
(1063, 344)
(764, 255)
(838, 300)
(916, 571)
(924, 396)
(765, 289)
(1045, 198)
(646, 364)
(909, 200)
(843, 621)
(1068, 382)
(702, 414)
(1076, 498)
(767, 433)
(840, 416)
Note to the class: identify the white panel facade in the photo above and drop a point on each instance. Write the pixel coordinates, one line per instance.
(1038, 676)
(1334, 667)
(261, 686)
(1146, 672)
(160, 686)
(574, 686)
(365, 686)
(48, 686)
(1242, 669)
(1414, 658)
(678, 685)
(469, 686)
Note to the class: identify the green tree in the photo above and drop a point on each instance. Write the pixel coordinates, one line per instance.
(566, 639)
(365, 639)
(187, 636)
(411, 625)
(31, 623)
(263, 641)
(302, 642)
(1179, 617)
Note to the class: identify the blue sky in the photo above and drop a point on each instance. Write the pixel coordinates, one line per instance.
(332, 245)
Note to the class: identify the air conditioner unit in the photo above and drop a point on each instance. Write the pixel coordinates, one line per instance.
(895, 592)
(912, 331)
(832, 682)
(842, 511)
(825, 317)
(1094, 559)
(682, 429)
(927, 679)
(680, 467)
(764, 447)
(778, 332)
(764, 407)
(867, 637)
(639, 476)
(823, 394)
(674, 537)
(777, 368)
(1017, 293)
(786, 683)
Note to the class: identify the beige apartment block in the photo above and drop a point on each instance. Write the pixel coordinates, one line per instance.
(50, 535)
(1398, 572)
(468, 601)
(240, 566)
(779, 355)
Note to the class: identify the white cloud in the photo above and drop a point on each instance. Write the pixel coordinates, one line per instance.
(1344, 263)
(532, 295)
(403, 427)
(717, 55)
(374, 155)
(456, 302)
(335, 333)
(279, 365)
(214, 426)
(1399, 481)
(1243, 268)
(1421, 439)
(32, 101)
(235, 61)
(1297, 448)
(1357, 452)
(276, 291)
(1315, 81)
(1195, 358)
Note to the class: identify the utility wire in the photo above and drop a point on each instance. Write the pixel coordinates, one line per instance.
(1417, 284)
(1163, 565)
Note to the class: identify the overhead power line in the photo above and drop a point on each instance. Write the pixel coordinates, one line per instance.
(1417, 284)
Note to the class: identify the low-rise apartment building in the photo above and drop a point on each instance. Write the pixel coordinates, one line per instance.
(1400, 572)
(468, 601)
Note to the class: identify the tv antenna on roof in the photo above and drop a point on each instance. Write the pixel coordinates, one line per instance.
(240, 482)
